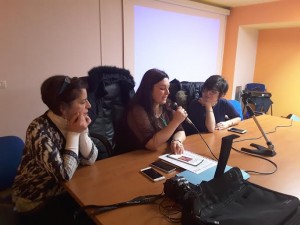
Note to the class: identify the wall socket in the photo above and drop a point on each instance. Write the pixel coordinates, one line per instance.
(3, 84)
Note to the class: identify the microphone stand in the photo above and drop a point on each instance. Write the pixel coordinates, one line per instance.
(260, 150)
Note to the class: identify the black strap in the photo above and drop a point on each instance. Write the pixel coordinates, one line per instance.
(97, 209)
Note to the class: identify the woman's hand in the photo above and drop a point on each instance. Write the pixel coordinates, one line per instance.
(180, 114)
(78, 123)
(177, 147)
(206, 103)
(223, 125)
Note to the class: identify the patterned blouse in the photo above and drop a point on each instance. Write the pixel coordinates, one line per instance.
(45, 165)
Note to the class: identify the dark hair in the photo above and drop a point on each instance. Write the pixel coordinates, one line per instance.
(59, 89)
(143, 94)
(216, 82)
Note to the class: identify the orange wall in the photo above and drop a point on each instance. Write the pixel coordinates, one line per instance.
(277, 13)
(278, 66)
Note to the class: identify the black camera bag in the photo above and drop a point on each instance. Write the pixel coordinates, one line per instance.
(231, 200)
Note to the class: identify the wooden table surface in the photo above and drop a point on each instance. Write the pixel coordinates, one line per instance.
(117, 179)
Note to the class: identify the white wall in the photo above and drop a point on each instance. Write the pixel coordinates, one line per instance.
(42, 38)
(111, 13)
(245, 58)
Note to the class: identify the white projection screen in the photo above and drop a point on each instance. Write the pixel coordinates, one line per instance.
(183, 38)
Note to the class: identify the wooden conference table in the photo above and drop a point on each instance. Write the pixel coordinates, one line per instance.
(117, 179)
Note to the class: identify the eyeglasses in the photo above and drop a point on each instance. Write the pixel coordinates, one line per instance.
(67, 81)
(212, 91)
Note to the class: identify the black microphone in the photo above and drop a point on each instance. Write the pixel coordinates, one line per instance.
(175, 107)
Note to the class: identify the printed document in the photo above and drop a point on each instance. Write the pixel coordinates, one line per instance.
(190, 161)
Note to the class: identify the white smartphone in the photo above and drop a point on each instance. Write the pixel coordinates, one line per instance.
(152, 174)
(237, 130)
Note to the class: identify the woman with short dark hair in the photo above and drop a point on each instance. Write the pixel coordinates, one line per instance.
(211, 111)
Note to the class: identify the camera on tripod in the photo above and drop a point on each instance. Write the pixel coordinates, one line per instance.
(246, 97)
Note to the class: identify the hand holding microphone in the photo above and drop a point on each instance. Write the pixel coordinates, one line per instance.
(176, 107)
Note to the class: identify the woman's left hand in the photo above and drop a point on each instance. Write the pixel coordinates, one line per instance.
(206, 102)
(177, 147)
(222, 125)
(78, 123)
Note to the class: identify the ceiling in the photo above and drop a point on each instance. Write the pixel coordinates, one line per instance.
(233, 3)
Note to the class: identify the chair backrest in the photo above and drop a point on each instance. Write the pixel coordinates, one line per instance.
(11, 149)
(183, 92)
(238, 107)
(110, 89)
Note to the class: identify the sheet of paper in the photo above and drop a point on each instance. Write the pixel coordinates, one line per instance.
(187, 158)
(205, 163)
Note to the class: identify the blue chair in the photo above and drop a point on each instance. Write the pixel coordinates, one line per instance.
(238, 107)
(11, 149)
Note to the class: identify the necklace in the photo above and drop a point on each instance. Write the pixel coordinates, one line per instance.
(163, 119)
(161, 116)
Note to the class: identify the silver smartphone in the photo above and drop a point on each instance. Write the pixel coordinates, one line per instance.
(237, 130)
(152, 174)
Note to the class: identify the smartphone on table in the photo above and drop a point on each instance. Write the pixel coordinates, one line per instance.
(163, 166)
(237, 130)
(152, 174)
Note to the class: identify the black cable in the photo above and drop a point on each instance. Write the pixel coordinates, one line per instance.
(260, 157)
(97, 209)
(270, 132)
(168, 208)
(198, 132)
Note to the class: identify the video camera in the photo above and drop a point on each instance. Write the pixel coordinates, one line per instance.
(246, 97)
